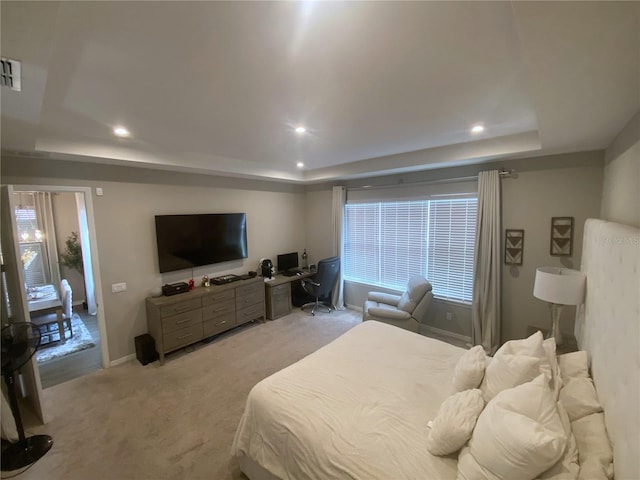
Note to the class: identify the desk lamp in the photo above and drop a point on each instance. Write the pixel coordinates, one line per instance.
(559, 287)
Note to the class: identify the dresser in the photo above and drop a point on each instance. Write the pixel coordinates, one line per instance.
(180, 320)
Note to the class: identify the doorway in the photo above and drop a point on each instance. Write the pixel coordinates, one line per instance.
(56, 237)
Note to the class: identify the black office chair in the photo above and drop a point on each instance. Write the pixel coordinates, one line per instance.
(321, 284)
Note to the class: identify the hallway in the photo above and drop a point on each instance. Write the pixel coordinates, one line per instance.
(76, 364)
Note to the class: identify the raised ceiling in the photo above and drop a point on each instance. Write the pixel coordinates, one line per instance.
(382, 87)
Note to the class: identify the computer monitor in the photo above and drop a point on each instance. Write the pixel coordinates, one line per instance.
(287, 261)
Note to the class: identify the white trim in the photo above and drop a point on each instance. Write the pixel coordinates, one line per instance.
(445, 333)
(88, 198)
(121, 360)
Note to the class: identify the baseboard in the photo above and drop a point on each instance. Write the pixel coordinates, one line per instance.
(446, 333)
(353, 307)
(122, 360)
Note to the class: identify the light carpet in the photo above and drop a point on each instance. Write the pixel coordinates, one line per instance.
(81, 340)
(175, 421)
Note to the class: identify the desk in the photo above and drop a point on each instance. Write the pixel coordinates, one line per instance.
(278, 294)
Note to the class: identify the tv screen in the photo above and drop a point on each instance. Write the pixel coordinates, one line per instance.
(187, 241)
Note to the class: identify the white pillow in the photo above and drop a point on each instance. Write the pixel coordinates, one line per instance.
(469, 369)
(574, 364)
(515, 363)
(518, 435)
(567, 467)
(454, 423)
(579, 397)
(594, 449)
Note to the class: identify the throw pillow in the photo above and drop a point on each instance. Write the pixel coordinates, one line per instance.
(594, 450)
(579, 398)
(454, 423)
(567, 467)
(515, 363)
(574, 364)
(518, 435)
(469, 369)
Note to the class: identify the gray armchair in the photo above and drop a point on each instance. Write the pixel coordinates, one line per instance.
(406, 311)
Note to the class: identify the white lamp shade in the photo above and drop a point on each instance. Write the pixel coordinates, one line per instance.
(559, 285)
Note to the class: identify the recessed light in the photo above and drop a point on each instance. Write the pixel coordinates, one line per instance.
(477, 129)
(121, 132)
(299, 164)
(300, 129)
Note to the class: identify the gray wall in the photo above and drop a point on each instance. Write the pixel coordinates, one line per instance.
(125, 230)
(621, 187)
(284, 217)
(545, 187)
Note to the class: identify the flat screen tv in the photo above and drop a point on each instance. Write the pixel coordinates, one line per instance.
(187, 241)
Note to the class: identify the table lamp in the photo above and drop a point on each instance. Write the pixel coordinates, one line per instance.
(559, 287)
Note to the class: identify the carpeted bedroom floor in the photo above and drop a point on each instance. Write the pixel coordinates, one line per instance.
(175, 421)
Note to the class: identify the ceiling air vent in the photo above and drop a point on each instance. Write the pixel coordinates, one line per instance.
(10, 74)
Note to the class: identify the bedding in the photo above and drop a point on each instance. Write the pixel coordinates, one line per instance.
(357, 408)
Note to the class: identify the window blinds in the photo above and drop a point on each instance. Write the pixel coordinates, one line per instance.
(387, 242)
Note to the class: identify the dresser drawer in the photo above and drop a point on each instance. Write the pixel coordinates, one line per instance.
(220, 308)
(182, 337)
(250, 313)
(180, 307)
(250, 289)
(219, 324)
(218, 297)
(250, 298)
(183, 320)
(284, 289)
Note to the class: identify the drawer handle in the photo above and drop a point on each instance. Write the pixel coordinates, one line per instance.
(221, 309)
(178, 322)
(221, 323)
(180, 309)
(184, 336)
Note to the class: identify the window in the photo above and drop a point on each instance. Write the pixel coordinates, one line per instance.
(386, 242)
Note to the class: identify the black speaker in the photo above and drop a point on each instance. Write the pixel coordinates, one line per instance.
(146, 349)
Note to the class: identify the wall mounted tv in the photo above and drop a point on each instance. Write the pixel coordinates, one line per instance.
(187, 241)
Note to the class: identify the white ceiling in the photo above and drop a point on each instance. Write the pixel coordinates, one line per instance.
(382, 86)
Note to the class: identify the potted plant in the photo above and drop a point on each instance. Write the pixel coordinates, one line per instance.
(72, 257)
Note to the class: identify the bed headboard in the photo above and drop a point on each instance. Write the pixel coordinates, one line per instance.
(608, 327)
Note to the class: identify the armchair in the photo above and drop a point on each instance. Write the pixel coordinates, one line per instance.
(406, 311)
(321, 284)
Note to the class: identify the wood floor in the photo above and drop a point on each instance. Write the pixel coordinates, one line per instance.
(76, 364)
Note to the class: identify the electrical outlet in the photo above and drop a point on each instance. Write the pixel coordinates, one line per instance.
(118, 287)
(449, 316)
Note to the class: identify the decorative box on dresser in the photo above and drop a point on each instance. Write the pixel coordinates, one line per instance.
(180, 320)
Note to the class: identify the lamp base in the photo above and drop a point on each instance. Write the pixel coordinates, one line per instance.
(25, 452)
(554, 331)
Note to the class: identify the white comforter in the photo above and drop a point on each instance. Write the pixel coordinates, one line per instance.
(357, 408)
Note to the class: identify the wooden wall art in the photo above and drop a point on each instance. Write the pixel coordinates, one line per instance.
(513, 246)
(561, 236)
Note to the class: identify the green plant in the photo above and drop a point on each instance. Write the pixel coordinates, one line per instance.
(72, 256)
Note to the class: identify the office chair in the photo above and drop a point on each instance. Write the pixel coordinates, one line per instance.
(321, 284)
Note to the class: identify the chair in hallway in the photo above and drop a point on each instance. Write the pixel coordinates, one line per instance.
(321, 284)
(56, 327)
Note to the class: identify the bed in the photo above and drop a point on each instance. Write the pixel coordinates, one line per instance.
(361, 406)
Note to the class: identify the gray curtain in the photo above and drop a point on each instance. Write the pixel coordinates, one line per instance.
(339, 200)
(485, 326)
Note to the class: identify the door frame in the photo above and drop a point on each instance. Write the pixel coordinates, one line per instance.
(95, 263)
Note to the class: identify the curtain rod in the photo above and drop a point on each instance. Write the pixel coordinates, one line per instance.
(502, 174)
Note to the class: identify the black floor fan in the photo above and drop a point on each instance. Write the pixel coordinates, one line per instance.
(19, 343)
